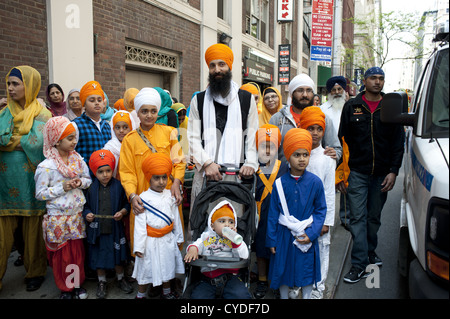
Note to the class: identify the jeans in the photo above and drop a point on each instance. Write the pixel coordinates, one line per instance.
(366, 203)
(234, 289)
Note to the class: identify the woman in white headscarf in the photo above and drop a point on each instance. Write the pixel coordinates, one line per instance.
(148, 138)
(74, 107)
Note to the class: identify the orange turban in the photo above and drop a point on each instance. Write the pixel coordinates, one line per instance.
(156, 164)
(101, 158)
(294, 139)
(91, 88)
(250, 88)
(119, 106)
(122, 117)
(224, 211)
(128, 98)
(269, 133)
(69, 130)
(312, 115)
(219, 51)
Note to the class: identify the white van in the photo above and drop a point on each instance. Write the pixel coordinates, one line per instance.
(424, 217)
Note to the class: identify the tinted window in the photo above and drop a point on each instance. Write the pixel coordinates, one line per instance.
(437, 117)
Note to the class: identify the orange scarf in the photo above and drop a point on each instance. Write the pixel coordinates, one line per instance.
(159, 232)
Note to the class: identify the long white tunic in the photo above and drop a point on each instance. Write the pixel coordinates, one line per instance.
(162, 259)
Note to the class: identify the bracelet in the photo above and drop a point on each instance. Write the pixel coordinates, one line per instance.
(131, 198)
(208, 165)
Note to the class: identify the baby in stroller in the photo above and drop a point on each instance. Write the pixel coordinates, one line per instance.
(219, 282)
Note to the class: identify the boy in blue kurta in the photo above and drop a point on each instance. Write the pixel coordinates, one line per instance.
(296, 216)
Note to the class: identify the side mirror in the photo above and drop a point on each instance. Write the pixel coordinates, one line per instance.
(394, 109)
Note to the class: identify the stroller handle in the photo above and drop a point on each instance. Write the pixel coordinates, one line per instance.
(233, 172)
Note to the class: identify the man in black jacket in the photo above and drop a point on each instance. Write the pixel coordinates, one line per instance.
(376, 152)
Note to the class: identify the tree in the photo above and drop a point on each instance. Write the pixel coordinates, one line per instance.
(387, 37)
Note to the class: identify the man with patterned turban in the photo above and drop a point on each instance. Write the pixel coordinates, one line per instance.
(301, 95)
(223, 122)
(375, 156)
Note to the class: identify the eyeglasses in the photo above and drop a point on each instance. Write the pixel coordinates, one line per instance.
(302, 90)
(268, 97)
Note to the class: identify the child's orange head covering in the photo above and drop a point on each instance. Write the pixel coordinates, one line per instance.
(219, 51)
(224, 211)
(156, 164)
(312, 115)
(250, 88)
(294, 139)
(67, 131)
(101, 158)
(122, 116)
(268, 133)
(119, 106)
(91, 88)
(128, 98)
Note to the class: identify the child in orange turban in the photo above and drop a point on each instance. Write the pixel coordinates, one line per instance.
(323, 166)
(157, 231)
(268, 140)
(106, 206)
(313, 120)
(295, 139)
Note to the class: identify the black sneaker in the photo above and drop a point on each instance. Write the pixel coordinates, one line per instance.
(101, 290)
(125, 286)
(355, 274)
(374, 259)
(261, 290)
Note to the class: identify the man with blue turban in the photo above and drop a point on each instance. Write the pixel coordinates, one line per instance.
(375, 156)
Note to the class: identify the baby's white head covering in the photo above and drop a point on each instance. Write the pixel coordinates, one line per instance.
(147, 96)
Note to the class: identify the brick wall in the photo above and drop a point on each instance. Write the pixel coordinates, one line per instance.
(116, 21)
(23, 38)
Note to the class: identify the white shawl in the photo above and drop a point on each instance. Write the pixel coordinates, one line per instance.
(230, 148)
(296, 226)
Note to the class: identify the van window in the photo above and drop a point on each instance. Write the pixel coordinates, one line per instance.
(437, 116)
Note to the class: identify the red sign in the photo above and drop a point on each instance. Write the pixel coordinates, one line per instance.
(322, 23)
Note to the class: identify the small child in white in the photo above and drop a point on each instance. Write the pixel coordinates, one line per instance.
(212, 242)
(158, 231)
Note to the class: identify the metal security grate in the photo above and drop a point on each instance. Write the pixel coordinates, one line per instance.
(150, 57)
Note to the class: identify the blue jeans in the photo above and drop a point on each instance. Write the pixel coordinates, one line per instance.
(366, 203)
(234, 289)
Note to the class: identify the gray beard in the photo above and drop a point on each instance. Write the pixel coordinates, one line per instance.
(337, 102)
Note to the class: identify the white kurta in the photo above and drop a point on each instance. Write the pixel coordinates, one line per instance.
(162, 259)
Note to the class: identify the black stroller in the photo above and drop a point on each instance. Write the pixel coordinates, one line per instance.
(238, 191)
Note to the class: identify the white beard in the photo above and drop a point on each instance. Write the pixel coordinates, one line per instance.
(337, 102)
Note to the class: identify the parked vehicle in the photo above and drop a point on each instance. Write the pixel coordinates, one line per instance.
(424, 217)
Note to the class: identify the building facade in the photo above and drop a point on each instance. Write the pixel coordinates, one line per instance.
(137, 43)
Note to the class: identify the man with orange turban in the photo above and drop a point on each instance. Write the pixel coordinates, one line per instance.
(218, 117)
(313, 120)
(295, 221)
(157, 231)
